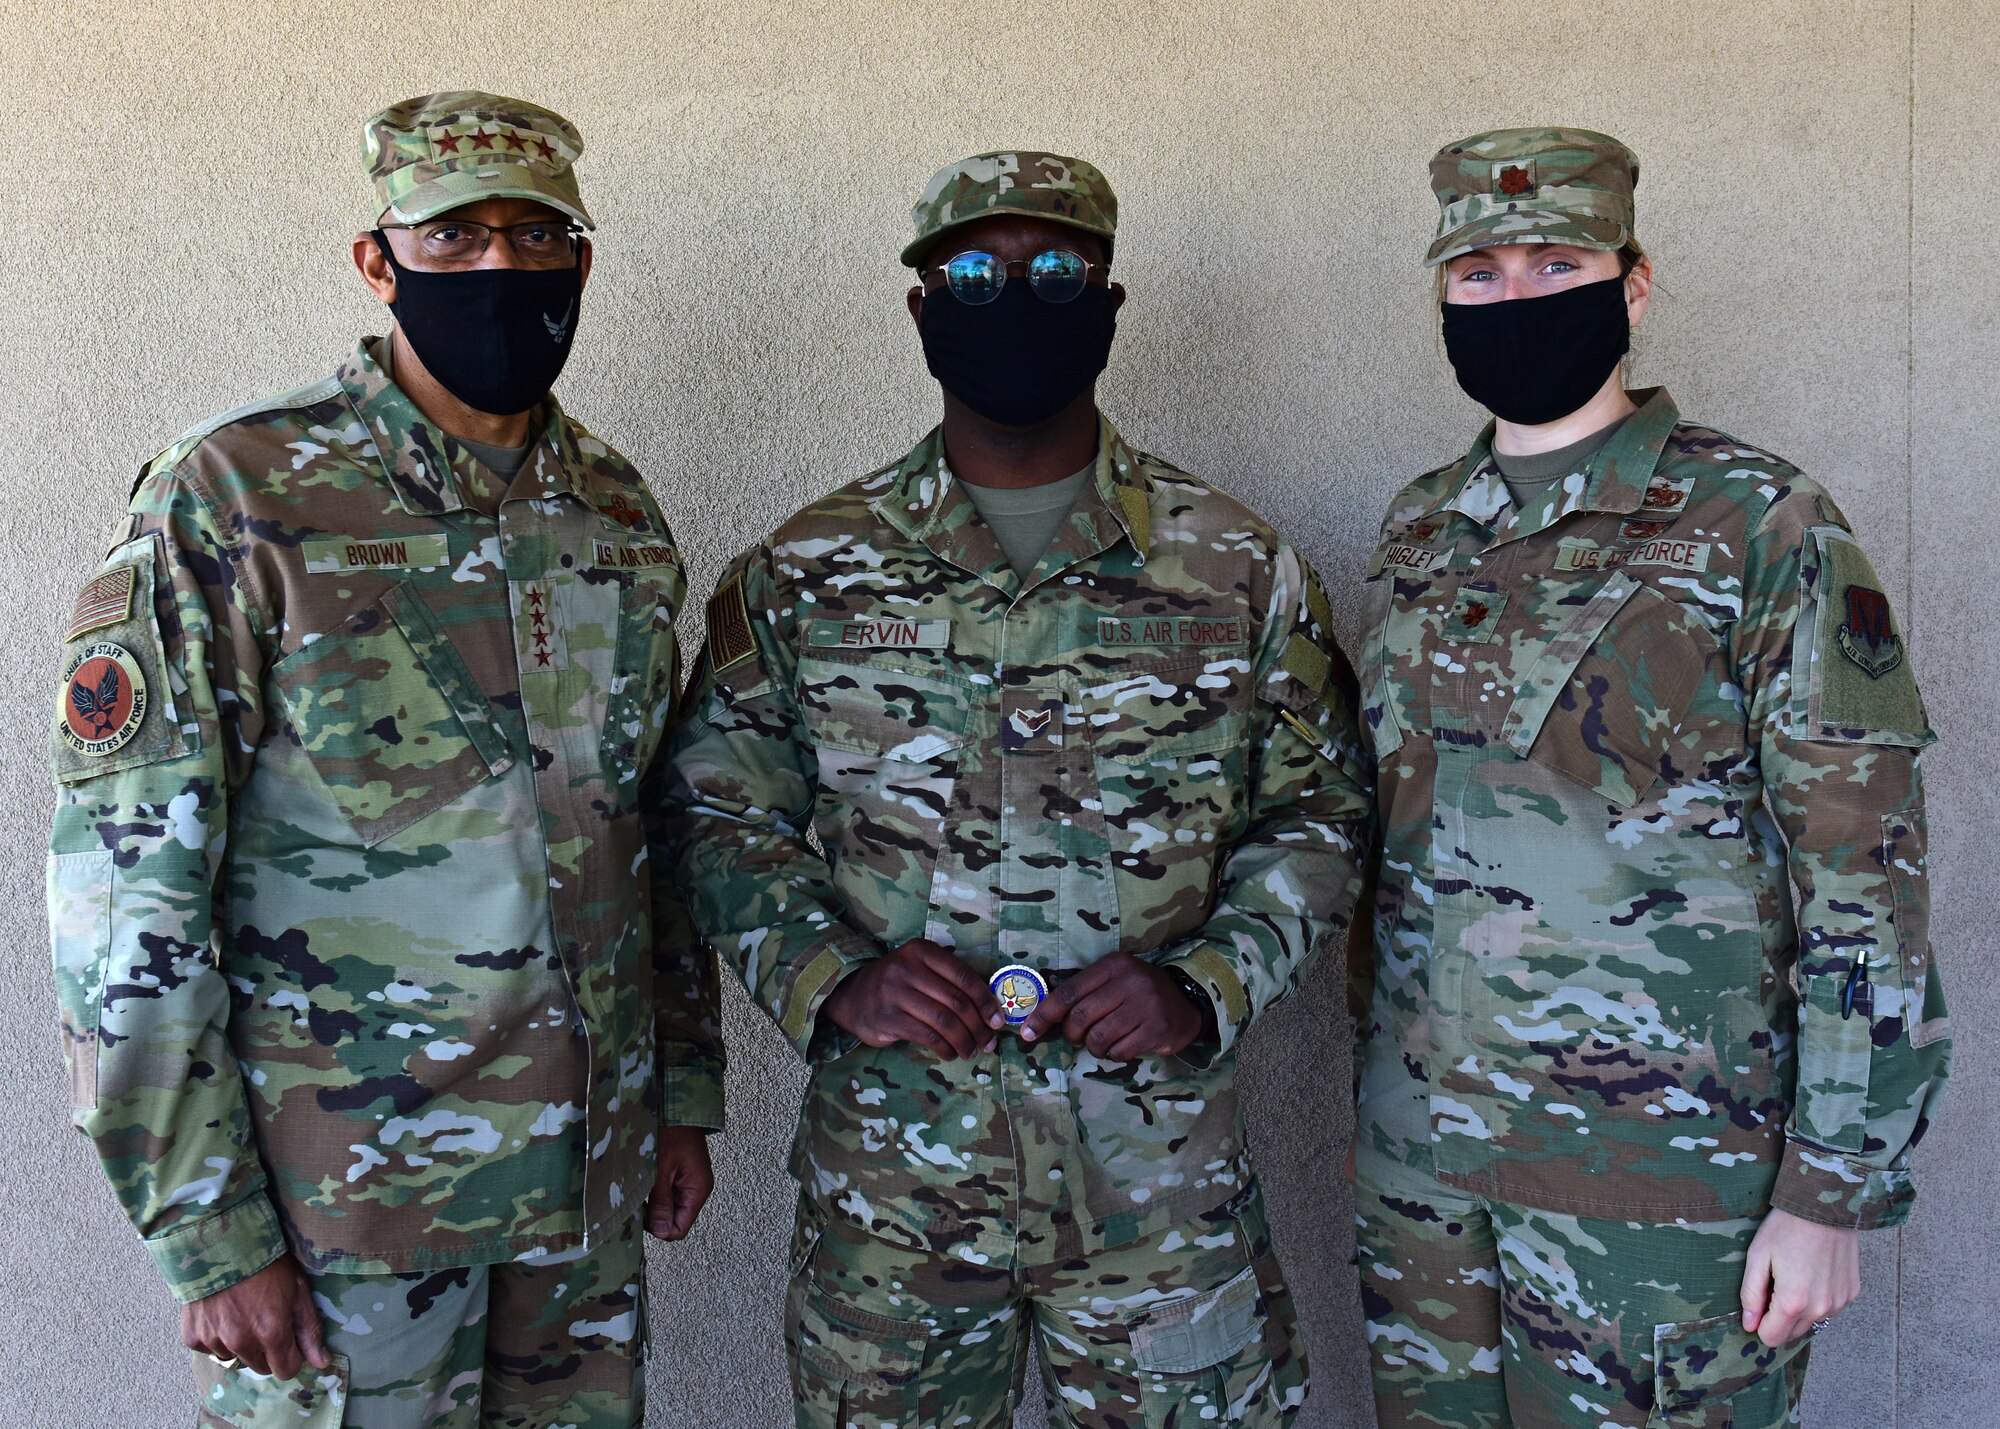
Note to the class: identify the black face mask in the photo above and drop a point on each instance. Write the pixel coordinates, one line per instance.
(1535, 360)
(1018, 360)
(494, 337)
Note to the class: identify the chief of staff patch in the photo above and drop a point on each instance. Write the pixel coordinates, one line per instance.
(103, 700)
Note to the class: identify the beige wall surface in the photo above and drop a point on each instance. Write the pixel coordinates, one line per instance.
(182, 181)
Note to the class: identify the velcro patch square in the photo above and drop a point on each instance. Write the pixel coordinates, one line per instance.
(1856, 676)
(1475, 616)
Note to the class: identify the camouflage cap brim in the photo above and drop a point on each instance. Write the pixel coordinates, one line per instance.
(1527, 226)
(913, 254)
(462, 186)
(1030, 182)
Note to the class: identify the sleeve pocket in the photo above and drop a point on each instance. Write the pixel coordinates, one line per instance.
(79, 894)
(162, 729)
(1906, 855)
(1835, 1054)
(1710, 1373)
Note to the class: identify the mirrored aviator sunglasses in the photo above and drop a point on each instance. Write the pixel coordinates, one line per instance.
(1054, 276)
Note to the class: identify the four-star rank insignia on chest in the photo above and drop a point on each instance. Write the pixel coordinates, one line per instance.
(103, 701)
(1868, 638)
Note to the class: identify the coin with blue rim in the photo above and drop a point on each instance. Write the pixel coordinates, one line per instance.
(1020, 990)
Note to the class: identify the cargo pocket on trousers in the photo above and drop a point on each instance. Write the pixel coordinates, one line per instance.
(79, 892)
(1709, 1374)
(1200, 1360)
(237, 1399)
(850, 1367)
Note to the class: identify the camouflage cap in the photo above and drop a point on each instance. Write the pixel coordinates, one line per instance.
(1532, 186)
(437, 151)
(1024, 181)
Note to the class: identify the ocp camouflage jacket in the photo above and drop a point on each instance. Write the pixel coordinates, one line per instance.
(1617, 733)
(1144, 747)
(358, 929)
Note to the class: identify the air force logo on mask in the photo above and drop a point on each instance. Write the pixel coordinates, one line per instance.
(559, 328)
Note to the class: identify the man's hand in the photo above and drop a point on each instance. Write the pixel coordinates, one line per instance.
(682, 1185)
(920, 993)
(266, 1323)
(1797, 1272)
(1120, 1007)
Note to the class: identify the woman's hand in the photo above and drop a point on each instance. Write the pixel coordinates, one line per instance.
(1797, 1272)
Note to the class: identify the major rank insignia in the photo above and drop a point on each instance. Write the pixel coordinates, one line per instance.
(103, 700)
(1020, 990)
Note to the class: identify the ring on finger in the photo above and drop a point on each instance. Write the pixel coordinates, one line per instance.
(1820, 1325)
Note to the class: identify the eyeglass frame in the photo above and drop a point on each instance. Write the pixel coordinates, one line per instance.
(1007, 266)
(570, 227)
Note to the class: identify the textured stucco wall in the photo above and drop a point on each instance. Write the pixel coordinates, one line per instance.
(187, 180)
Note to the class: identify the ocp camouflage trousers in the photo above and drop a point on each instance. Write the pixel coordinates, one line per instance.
(520, 1345)
(1481, 1315)
(1192, 1326)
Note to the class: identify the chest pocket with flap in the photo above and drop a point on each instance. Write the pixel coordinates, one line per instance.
(887, 741)
(1601, 703)
(393, 722)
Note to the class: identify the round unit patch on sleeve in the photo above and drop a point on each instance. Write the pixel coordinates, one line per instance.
(103, 701)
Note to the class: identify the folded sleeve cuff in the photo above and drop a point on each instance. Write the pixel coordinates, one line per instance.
(814, 983)
(691, 1095)
(1216, 976)
(1830, 1189)
(200, 1258)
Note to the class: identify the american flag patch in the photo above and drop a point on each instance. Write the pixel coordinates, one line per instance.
(105, 601)
(730, 642)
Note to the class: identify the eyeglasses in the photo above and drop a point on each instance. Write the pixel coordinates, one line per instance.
(456, 242)
(1056, 276)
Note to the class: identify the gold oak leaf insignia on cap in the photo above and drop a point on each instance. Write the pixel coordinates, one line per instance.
(730, 642)
(1515, 180)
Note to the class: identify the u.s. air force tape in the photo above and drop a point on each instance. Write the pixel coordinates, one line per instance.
(1020, 990)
